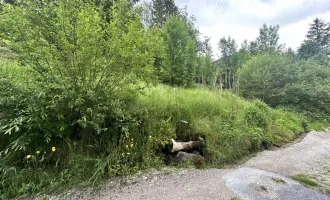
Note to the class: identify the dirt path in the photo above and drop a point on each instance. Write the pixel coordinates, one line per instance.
(266, 176)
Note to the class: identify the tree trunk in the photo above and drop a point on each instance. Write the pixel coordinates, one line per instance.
(220, 82)
(229, 80)
(215, 79)
(186, 146)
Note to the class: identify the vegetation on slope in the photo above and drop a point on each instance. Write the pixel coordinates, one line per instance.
(79, 101)
(231, 126)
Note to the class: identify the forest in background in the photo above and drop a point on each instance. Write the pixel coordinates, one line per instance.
(93, 89)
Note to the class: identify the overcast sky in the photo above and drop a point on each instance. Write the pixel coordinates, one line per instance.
(242, 19)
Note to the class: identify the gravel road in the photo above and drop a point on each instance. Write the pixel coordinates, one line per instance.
(264, 177)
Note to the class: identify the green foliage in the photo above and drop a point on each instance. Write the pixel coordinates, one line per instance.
(238, 59)
(308, 49)
(205, 70)
(78, 71)
(319, 32)
(266, 42)
(232, 127)
(75, 107)
(317, 42)
(281, 80)
(268, 39)
(227, 48)
(322, 59)
(162, 10)
(206, 46)
(80, 65)
(304, 179)
(180, 61)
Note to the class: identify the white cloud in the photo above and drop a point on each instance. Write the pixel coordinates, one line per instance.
(242, 19)
(295, 33)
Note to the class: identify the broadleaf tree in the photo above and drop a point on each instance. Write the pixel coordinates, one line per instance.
(227, 47)
(81, 65)
(181, 53)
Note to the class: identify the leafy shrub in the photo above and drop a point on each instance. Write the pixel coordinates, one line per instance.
(81, 66)
(258, 114)
(77, 72)
(280, 80)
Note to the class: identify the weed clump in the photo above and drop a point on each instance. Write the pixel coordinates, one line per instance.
(304, 179)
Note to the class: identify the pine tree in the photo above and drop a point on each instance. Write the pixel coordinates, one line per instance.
(318, 32)
(170, 8)
(317, 40)
(207, 48)
(161, 10)
(245, 45)
(158, 15)
(327, 37)
(253, 48)
(308, 49)
(227, 47)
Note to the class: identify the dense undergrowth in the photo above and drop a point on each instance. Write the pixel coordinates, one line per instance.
(231, 126)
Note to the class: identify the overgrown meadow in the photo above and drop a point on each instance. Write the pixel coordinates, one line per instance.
(88, 92)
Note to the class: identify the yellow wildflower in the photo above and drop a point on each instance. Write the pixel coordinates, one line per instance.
(150, 137)
(38, 152)
(128, 153)
(132, 145)
(28, 156)
(127, 146)
(53, 149)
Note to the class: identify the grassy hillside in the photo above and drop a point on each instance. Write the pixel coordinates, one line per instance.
(231, 126)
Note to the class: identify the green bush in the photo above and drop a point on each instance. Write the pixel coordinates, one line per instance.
(279, 80)
(81, 68)
(76, 72)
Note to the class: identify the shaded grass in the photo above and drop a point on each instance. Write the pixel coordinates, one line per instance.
(5, 53)
(11, 69)
(304, 179)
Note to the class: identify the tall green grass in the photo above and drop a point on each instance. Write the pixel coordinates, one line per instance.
(11, 69)
(231, 126)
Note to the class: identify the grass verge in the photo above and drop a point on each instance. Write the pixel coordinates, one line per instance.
(305, 180)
